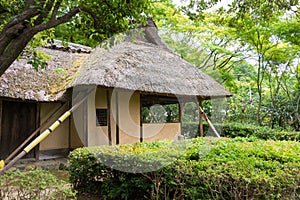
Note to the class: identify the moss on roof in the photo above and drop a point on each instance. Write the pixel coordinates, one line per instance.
(22, 81)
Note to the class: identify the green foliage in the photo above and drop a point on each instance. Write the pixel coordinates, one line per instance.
(39, 60)
(112, 19)
(34, 184)
(208, 168)
(288, 30)
(87, 22)
(95, 169)
(251, 47)
(257, 9)
(8, 9)
(233, 130)
(97, 21)
(246, 130)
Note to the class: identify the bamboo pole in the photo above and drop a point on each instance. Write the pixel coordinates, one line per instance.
(209, 123)
(33, 134)
(200, 120)
(41, 137)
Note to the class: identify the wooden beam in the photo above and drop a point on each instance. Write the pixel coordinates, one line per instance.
(117, 119)
(70, 125)
(37, 124)
(200, 119)
(149, 100)
(141, 121)
(108, 117)
(0, 118)
(85, 122)
(180, 109)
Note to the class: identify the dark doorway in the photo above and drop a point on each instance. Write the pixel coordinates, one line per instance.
(18, 122)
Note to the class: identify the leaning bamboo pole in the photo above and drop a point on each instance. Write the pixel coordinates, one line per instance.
(209, 122)
(41, 137)
(34, 133)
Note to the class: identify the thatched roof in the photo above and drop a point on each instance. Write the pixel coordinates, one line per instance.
(147, 65)
(143, 64)
(22, 81)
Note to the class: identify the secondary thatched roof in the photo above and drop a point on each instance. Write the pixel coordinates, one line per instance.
(22, 81)
(147, 65)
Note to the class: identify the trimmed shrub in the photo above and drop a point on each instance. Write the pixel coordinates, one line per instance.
(94, 169)
(33, 184)
(201, 168)
(233, 130)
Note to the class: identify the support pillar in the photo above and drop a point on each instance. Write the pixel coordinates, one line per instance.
(141, 120)
(200, 119)
(108, 117)
(180, 109)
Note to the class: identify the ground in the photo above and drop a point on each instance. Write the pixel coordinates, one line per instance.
(57, 167)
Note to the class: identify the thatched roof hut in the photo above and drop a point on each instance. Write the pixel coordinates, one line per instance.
(146, 64)
(145, 70)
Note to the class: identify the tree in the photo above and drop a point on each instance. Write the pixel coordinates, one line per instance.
(260, 9)
(21, 20)
(265, 34)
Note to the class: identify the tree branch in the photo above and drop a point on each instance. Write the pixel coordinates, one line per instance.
(13, 50)
(26, 15)
(7, 36)
(55, 10)
(224, 62)
(55, 22)
(207, 59)
(45, 12)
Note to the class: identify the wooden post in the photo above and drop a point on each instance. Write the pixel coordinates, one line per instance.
(38, 111)
(108, 117)
(85, 122)
(0, 118)
(117, 119)
(180, 106)
(70, 125)
(141, 120)
(200, 119)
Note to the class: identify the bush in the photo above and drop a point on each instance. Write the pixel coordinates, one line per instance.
(245, 130)
(33, 184)
(233, 130)
(93, 169)
(201, 168)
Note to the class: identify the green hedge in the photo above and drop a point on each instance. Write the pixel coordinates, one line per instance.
(233, 130)
(202, 168)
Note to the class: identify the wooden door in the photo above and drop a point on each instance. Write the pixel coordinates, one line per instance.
(18, 122)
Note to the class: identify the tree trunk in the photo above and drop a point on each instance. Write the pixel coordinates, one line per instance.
(259, 87)
(18, 32)
(14, 49)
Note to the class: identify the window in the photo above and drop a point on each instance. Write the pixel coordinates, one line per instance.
(160, 113)
(159, 109)
(101, 117)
